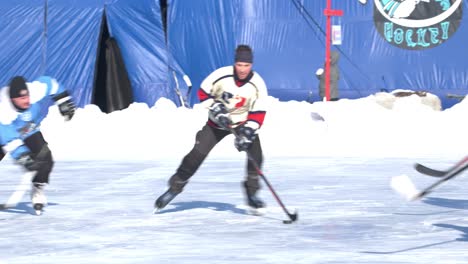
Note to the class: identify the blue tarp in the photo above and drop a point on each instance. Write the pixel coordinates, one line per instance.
(383, 47)
(73, 29)
(137, 27)
(21, 38)
(289, 44)
(61, 38)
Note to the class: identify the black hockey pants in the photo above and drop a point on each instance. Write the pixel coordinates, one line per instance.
(205, 140)
(40, 152)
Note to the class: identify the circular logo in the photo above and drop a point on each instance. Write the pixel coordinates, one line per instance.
(417, 24)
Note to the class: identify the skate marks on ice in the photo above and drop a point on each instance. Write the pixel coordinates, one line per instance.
(215, 206)
(463, 237)
(446, 202)
(14, 194)
(462, 229)
(25, 208)
(405, 187)
(20, 208)
(409, 249)
(106, 212)
(222, 207)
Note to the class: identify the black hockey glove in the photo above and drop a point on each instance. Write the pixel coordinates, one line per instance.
(65, 105)
(219, 115)
(28, 162)
(245, 138)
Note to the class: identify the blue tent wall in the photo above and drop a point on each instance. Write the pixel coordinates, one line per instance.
(66, 46)
(73, 29)
(288, 41)
(74, 38)
(142, 42)
(203, 38)
(21, 39)
(287, 37)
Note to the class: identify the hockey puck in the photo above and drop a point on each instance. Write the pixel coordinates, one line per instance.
(287, 222)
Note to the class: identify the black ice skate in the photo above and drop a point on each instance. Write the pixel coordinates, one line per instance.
(176, 186)
(252, 199)
(255, 202)
(257, 206)
(164, 199)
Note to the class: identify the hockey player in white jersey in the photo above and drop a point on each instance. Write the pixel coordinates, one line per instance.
(23, 106)
(234, 96)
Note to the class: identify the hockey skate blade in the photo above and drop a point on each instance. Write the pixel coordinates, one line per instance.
(256, 211)
(38, 209)
(7, 206)
(404, 186)
(157, 210)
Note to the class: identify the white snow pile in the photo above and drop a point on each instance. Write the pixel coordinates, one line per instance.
(360, 127)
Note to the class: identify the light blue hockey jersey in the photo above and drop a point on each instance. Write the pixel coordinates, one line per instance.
(16, 126)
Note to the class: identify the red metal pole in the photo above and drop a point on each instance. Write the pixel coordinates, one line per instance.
(329, 13)
(327, 52)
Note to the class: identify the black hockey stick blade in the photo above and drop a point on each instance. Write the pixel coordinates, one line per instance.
(439, 173)
(451, 174)
(429, 171)
(293, 217)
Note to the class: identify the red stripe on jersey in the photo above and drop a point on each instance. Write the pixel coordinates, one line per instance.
(202, 95)
(212, 124)
(258, 117)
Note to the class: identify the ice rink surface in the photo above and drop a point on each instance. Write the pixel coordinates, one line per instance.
(101, 212)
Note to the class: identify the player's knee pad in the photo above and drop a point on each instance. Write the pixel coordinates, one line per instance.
(45, 157)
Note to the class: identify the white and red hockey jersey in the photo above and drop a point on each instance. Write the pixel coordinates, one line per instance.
(244, 99)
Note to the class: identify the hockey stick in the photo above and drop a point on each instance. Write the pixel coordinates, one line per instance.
(404, 186)
(177, 90)
(456, 96)
(292, 217)
(189, 89)
(438, 173)
(20, 190)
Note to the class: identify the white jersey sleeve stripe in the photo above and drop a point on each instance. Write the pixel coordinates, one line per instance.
(12, 145)
(55, 86)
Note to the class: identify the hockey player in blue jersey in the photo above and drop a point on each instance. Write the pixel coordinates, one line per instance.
(23, 106)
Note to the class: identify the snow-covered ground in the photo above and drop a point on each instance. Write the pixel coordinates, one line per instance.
(336, 173)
